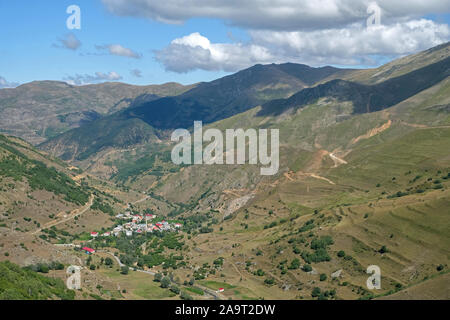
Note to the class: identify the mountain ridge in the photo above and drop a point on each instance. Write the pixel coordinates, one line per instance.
(39, 110)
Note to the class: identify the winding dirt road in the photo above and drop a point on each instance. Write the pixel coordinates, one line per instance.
(71, 216)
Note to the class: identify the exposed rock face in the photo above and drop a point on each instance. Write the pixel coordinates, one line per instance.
(336, 274)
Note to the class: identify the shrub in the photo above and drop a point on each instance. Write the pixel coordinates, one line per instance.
(43, 268)
(175, 289)
(321, 243)
(185, 296)
(165, 282)
(383, 249)
(295, 264)
(307, 268)
(124, 270)
(341, 254)
(315, 292)
(158, 277)
(323, 277)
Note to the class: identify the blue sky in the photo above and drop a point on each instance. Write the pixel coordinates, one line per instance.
(30, 28)
(211, 43)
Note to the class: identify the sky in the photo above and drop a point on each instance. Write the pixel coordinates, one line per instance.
(152, 41)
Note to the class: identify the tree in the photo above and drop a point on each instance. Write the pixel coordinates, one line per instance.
(315, 292)
(307, 268)
(175, 289)
(260, 272)
(92, 267)
(165, 282)
(124, 270)
(295, 264)
(108, 261)
(185, 296)
(323, 277)
(43, 268)
(341, 254)
(158, 277)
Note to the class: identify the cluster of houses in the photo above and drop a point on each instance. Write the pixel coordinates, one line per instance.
(138, 224)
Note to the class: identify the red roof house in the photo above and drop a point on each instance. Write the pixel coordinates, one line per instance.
(88, 250)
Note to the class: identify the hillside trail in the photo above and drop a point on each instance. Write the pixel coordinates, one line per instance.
(237, 269)
(316, 164)
(71, 216)
(231, 192)
(315, 176)
(373, 132)
(141, 200)
(312, 175)
(337, 161)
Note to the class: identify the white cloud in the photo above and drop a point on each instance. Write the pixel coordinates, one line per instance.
(197, 52)
(118, 50)
(6, 84)
(353, 45)
(286, 15)
(69, 41)
(79, 79)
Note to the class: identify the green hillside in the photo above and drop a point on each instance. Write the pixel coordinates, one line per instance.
(16, 165)
(22, 284)
(364, 179)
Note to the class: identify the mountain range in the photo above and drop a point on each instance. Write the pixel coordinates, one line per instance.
(364, 180)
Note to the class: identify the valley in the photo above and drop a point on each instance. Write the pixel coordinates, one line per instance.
(363, 179)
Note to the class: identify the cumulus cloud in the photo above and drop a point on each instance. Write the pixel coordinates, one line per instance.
(118, 50)
(287, 15)
(353, 45)
(6, 84)
(197, 52)
(69, 41)
(312, 32)
(136, 73)
(79, 79)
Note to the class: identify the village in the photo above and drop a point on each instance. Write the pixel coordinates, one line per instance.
(139, 224)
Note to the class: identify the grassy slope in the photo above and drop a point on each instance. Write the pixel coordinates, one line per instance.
(357, 212)
(21, 284)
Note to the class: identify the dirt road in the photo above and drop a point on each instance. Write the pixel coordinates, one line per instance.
(71, 216)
